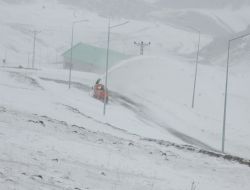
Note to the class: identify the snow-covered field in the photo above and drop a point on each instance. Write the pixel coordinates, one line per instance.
(164, 87)
(56, 138)
(52, 137)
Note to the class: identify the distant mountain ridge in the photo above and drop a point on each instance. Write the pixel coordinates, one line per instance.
(218, 20)
(204, 4)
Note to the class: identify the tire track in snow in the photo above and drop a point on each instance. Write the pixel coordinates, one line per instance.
(144, 113)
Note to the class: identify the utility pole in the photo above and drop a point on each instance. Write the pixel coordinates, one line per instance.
(225, 99)
(34, 48)
(5, 58)
(56, 58)
(196, 62)
(226, 89)
(107, 60)
(71, 53)
(28, 60)
(196, 68)
(106, 73)
(71, 47)
(142, 45)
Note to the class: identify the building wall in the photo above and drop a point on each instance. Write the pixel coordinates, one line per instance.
(88, 67)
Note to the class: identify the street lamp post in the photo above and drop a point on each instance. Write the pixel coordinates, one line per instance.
(226, 89)
(106, 72)
(196, 67)
(34, 48)
(28, 66)
(107, 62)
(71, 51)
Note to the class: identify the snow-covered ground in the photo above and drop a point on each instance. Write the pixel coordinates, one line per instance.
(53, 22)
(164, 87)
(52, 137)
(56, 138)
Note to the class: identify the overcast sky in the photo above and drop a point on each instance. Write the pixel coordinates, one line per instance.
(168, 3)
(204, 3)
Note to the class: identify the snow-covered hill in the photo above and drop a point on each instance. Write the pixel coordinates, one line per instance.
(55, 138)
(164, 86)
(166, 27)
(54, 20)
(52, 137)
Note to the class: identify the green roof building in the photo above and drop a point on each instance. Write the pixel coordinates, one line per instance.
(89, 58)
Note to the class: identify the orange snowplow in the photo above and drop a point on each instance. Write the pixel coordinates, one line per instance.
(100, 92)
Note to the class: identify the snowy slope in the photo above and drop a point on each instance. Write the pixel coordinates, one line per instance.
(53, 138)
(53, 20)
(166, 27)
(164, 86)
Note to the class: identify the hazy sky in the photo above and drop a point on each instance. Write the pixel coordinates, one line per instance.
(203, 3)
(166, 3)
